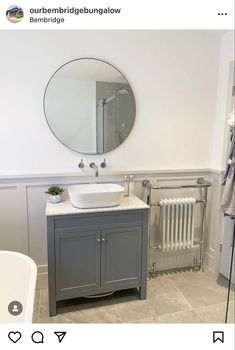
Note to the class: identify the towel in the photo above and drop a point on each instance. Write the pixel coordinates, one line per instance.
(228, 198)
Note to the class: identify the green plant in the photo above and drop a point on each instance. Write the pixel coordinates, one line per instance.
(55, 190)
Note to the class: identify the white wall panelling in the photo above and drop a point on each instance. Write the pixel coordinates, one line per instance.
(23, 221)
(36, 202)
(215, 219)
(13, 218)
(227, 249)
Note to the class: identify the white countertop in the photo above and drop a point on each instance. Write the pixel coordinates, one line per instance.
(64, 208)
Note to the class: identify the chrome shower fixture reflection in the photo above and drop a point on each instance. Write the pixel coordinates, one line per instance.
(121, 91)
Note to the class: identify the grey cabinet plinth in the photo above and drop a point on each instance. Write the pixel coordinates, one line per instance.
(95, 253)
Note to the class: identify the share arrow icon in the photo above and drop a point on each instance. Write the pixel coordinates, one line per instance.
(60, 335)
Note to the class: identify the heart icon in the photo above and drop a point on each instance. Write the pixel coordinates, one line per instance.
(14, 336)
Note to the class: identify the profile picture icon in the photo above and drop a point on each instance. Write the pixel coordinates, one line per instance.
(14, 14)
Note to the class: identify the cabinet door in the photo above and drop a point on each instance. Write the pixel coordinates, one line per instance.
(121, 256)
(77, 261)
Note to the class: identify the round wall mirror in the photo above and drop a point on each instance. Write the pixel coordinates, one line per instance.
(89, 106)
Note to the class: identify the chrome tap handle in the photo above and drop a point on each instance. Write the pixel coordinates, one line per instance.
(103, 164)
(81, 164)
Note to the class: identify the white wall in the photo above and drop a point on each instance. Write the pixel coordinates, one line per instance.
(173, 75)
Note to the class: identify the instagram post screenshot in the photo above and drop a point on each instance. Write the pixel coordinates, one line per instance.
(117, 174)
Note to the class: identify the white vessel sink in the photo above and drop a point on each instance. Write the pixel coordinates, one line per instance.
(95, 195)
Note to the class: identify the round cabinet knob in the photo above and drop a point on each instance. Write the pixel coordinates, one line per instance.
(98, 240)
(103, 240)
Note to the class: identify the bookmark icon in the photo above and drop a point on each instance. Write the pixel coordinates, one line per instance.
(60, 335)
(218, 336)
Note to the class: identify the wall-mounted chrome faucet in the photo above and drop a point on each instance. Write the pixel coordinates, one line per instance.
(94, 166)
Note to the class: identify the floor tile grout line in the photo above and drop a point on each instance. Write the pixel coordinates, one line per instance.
(141, 320)
(68, 320)
(177, 312)
(216, 304)
(200, 317)
(190, 306)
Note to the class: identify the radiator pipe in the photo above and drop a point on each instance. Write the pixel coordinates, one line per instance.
(202, 246)
(158, 203)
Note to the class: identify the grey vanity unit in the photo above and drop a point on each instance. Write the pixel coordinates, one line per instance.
(95, 251)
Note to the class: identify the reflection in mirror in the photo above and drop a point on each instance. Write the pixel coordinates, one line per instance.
(89, 106)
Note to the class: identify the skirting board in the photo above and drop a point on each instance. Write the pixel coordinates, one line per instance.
(42, 277)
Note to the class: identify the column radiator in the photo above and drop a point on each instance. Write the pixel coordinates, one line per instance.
(177, 223)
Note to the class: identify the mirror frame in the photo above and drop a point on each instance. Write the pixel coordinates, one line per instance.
(44, 109)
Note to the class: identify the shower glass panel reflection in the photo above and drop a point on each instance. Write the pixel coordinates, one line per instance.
(114, 115)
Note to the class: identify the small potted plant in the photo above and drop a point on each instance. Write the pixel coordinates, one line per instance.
(55, 194)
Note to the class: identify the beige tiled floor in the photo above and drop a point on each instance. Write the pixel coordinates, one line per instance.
(177, 297)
